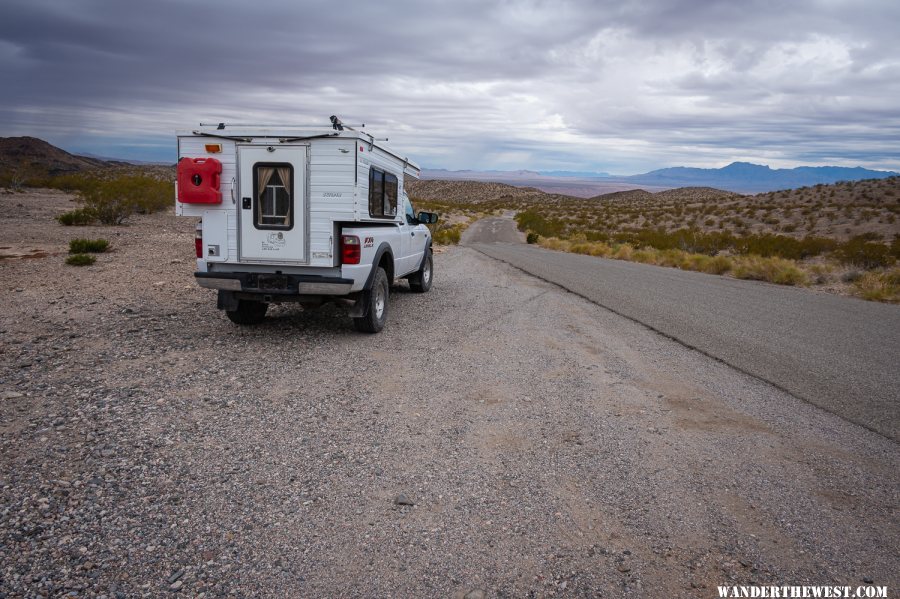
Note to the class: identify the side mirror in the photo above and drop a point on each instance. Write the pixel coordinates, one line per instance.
(427, 218)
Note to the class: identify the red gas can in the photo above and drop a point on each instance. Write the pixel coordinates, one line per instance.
(198, 181)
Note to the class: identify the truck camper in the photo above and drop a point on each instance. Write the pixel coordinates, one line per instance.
(307, 214)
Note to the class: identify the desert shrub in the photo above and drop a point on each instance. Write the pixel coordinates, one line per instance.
(858, 251)
(85, 246)
(590, 248)
(532, 237)
(670, 257)
(447, 235)
(112, 201)
(851, 276)
(644, 256)
(554, 243)
(868, 236)
(23, 175)
(771, 269)
(782, 246)
(80, 260)
(623, 252)
(714, 265)
(531, 220)
(821, 272)
(77, 217)
(879, 286)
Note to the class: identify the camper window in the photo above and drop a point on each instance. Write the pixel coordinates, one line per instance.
(273, 191)
(382, 194)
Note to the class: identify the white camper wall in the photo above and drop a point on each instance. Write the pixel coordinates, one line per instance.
(331, 189)
(193, 146)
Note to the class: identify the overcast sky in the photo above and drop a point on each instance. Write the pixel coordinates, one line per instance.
(619, 86)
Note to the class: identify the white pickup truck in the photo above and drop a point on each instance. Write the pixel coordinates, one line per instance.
(306, 215)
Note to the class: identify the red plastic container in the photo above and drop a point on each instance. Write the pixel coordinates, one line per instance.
(198, 181)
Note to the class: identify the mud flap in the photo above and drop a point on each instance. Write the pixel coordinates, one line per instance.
(227, 301)
(360, 305)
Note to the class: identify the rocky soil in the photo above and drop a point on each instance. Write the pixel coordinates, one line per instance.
(501, 438)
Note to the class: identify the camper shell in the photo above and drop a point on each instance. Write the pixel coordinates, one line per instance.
(301, 214)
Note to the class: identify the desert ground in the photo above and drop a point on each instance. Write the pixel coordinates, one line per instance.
(500, 438)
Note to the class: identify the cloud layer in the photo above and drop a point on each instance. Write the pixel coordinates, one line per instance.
(580, 85)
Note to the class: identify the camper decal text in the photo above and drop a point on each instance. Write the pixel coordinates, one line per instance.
(274, 242)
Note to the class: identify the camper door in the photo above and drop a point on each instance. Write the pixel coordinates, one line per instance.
(273, 210)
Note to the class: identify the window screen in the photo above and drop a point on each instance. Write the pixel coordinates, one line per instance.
(382, 194)
(274, 193)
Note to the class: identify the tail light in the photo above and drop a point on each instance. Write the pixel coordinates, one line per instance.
(350, 249)
(198, 240)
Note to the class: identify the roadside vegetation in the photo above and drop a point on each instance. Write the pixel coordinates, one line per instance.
(110, 201)
(107, 196)
(843, 237)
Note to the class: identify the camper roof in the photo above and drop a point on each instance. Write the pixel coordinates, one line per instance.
(285, 133)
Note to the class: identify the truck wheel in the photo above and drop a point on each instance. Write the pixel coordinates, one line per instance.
(377, 305)
(420, 282)
(248, 312)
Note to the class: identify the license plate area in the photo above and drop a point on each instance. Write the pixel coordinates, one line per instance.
(270, 282)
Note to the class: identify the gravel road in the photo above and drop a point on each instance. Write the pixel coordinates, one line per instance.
(500, 438)
(839, 353)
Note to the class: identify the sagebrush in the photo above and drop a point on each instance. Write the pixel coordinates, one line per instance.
(80, 260)
(88, 246)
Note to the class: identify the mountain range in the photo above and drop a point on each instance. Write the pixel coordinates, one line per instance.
(745, 177)
(740, 177)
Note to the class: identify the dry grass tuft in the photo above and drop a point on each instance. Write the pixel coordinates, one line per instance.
(773, 270)
(879, 286)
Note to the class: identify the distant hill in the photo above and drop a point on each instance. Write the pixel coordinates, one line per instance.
(126, 160)
(744, 177)
(456, 190)
(739, 177)
(581, 184)
(576, 174)
(31, 152)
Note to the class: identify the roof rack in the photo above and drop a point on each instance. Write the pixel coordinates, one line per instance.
(336, 124)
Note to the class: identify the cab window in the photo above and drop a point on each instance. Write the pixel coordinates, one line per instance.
(410, 213)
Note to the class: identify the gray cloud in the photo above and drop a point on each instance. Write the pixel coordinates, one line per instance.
(576, 84)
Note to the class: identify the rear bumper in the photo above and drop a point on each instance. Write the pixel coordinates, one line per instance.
(270, 284)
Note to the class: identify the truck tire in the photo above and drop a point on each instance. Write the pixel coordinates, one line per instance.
(377, 305)
(248, 312)
(420, 282)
